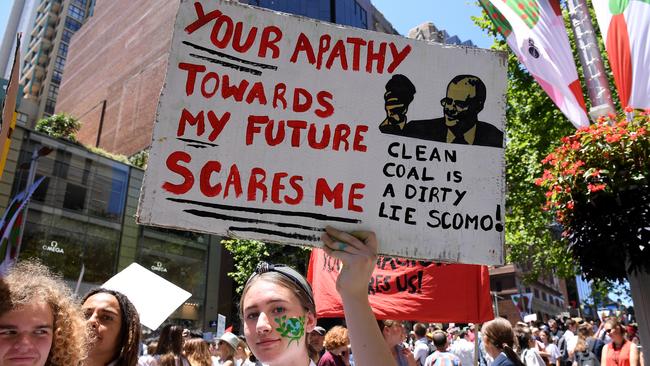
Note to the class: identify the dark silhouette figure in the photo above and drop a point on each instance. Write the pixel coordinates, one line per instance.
(460, 125)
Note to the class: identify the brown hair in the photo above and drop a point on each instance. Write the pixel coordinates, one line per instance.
(197, 352)
(336, 337)
(306, 300)
(499, 333)
(584, 332)
(30, 282)
(128, 347)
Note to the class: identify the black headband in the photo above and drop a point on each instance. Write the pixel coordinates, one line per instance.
(287, 272)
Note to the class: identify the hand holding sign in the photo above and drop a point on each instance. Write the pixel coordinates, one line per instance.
(358, 253)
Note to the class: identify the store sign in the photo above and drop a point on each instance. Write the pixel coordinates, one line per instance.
(271, 127)
(158, 267)
(54, 248)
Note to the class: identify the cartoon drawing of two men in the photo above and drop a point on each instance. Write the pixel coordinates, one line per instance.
(463, 102)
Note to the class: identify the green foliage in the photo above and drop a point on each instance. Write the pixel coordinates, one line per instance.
(60, 126)
(140, 159)
(106, 154)
(247, 254)
(533, 126)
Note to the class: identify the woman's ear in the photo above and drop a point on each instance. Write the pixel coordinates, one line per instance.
(310, 322)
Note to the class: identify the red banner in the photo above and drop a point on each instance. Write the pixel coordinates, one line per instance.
(406, 289)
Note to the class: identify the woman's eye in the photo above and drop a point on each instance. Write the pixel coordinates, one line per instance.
(107, 318)
(41, 332)
(252, 315)
(279, 310)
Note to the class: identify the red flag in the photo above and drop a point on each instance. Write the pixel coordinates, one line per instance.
(406, 289)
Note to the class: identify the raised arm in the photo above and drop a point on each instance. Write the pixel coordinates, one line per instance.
(358, 253)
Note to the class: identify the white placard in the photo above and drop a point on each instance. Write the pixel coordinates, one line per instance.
(273, 126)
(530, 318)
(154, 297)
(221, 325)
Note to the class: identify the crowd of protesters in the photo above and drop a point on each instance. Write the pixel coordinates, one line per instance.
(41, 323)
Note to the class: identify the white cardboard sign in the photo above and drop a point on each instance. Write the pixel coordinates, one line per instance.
(273, 126)
(154, 297)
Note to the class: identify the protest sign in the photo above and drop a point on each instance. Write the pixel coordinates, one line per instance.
(272, 126)
(403, 289)
(154, 297)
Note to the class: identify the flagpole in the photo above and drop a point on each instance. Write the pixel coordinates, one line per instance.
(591, 60)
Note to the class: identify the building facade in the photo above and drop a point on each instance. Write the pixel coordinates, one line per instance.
(21, 20)
(548, 293)
(83, 216)
(46, 50)
(118, 62)
(429, 32)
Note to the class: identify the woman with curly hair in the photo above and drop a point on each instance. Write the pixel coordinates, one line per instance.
(115, 326)
(40, 324)
(197, 352)
(336, 344)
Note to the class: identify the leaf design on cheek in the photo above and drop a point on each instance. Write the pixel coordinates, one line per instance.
(292, 328)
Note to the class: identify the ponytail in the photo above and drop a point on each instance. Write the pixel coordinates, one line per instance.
(512, 355)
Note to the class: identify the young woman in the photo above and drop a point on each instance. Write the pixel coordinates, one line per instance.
(226, 348)
(41, 324)
(550, 349)
(620, 352)
(336, 343)
(277, 305)
(499, 341)
(197, 352)
(169, 351)
(393, 333)
(115, 327)
(528, 345)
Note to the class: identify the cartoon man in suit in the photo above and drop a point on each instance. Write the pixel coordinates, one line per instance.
(460, 125)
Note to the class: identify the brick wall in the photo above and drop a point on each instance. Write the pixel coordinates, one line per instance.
(119, 58)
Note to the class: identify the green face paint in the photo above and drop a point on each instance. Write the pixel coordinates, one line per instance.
(292, 328)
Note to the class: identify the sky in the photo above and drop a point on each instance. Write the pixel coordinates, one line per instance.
(453, 16)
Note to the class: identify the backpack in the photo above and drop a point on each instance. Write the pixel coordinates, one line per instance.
(587, 358)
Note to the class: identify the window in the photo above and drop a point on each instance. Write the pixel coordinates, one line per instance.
(59, 63)
(544, 296)
(49, 106)
(22, 118)
(53, 91)
(75, 197)
(67, 35)
(536, 293)
(63, 50)
(72, 24)
(76, 13)
(498, 286)
(79, 3)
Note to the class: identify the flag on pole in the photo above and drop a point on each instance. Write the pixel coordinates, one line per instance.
(625, 27)
(10, 226)
(535, 31)
(9, 108)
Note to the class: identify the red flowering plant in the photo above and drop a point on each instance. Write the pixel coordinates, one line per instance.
(597, 184)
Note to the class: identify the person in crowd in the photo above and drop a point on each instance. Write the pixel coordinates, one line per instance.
(585, 351)
(277, 305)
(169, 351)
(336, 348)
(151, 349)
(551, 351)
(197, 352)
(570, 334)
(39, 321)
(422, 346)
(226, 348)
(620, 352)
(499, 341)
(632, 334)
(441, 357)
(528, 348)
(243, 353)
(316, 340)
(394, 336)
(463, 348)
(115, 326)
(556, 333)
